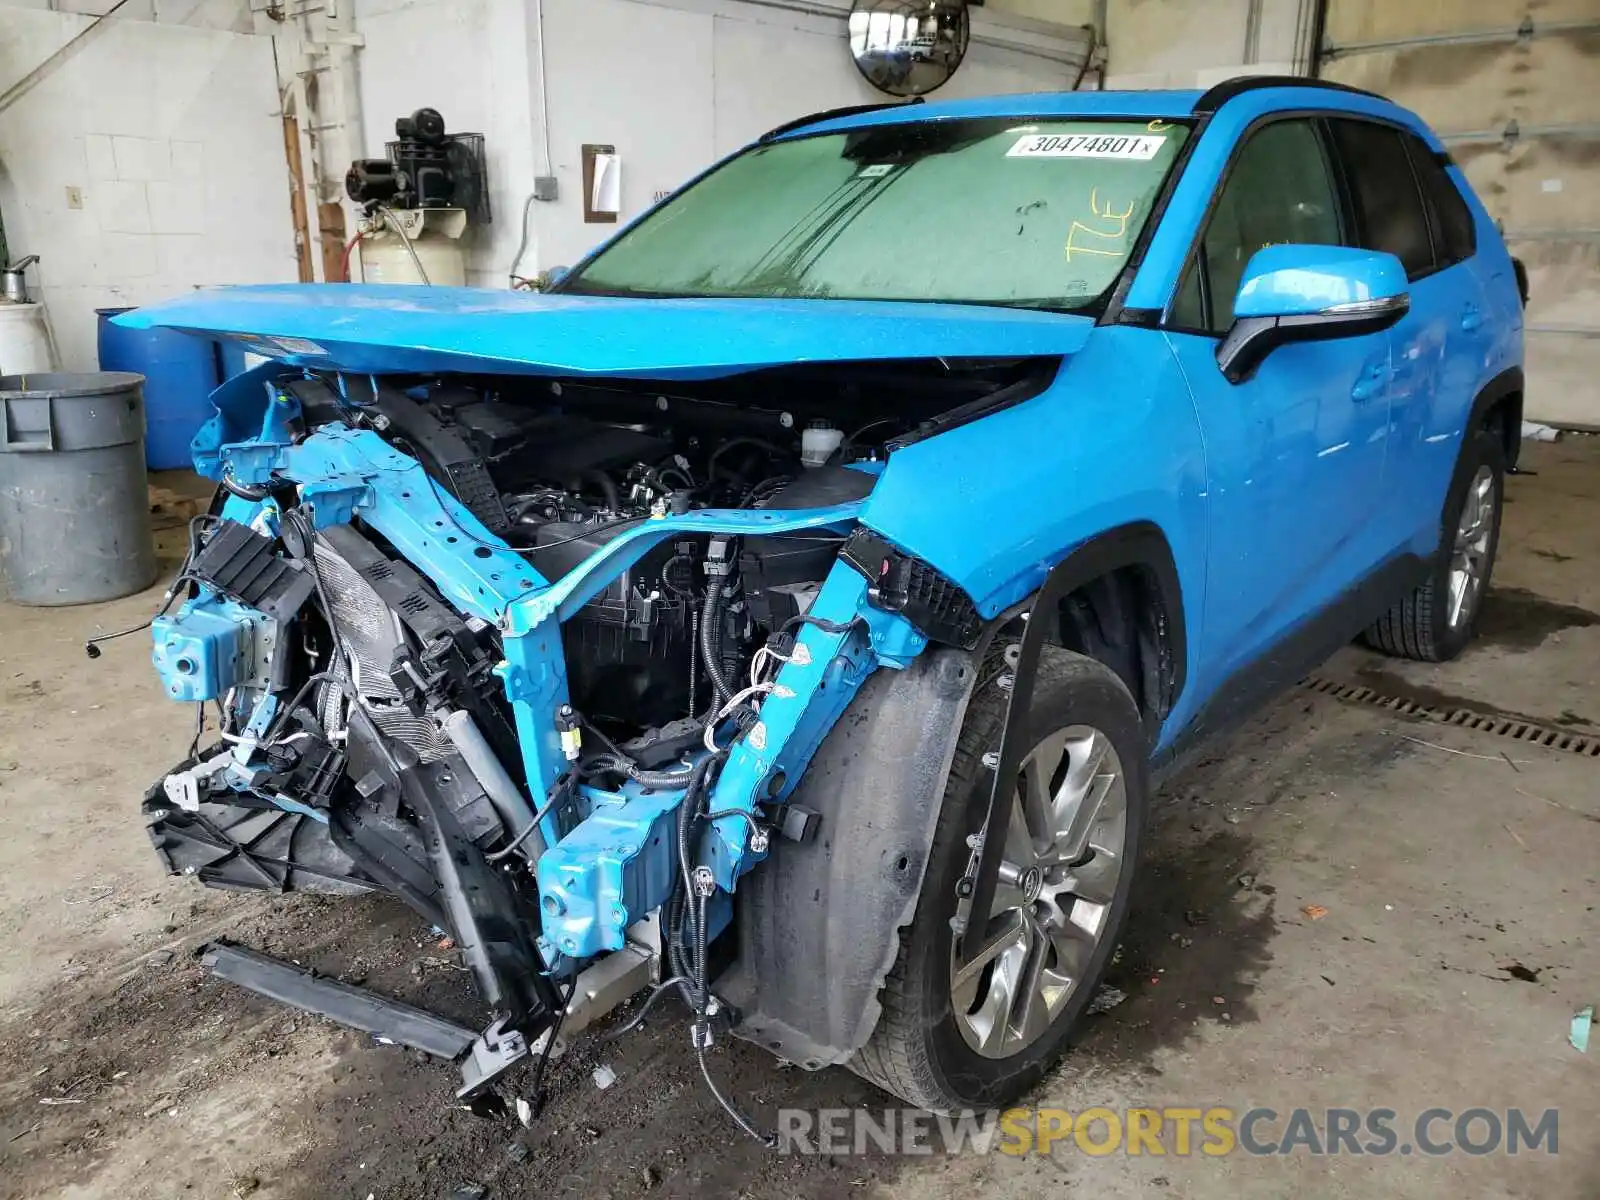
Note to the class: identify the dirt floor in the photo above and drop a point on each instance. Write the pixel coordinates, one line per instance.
(1346, 904)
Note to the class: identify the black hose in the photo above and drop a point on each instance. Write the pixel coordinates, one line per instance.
(761, 443)
(687, 813)
(702, 987)
(670, 922)
(688, 809)
(607, 486)
(702, 997)
(739, 813)
(559, 793)
(650, 1002)
(666, 574)
(244, 491)
(622, 765)
(820, 623)
(660, 779)
(539, 1096)
(91, 646)
(285, 712)
(690, 977)
(694, 662)
(711, 643)
(675, 957)
(770, 1141)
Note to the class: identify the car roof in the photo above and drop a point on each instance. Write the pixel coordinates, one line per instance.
(1152, 104)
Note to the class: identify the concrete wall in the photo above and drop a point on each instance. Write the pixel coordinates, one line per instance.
(1195, 43)
(470, 60)
(1061, 12)
(674, 88)
(672, 84)
(234, 16)
(146, 160)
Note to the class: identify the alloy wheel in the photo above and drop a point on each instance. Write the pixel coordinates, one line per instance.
(1469, 556)
(1063, 858)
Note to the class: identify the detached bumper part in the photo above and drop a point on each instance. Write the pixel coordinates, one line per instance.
(484, 1056)
(354, 1007)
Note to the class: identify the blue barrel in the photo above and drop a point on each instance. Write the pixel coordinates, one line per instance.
(235, 359)
(180, 373)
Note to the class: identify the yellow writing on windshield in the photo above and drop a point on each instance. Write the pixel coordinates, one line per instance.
(1114, 229)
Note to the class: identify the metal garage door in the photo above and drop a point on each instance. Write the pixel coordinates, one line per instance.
(1515, 93)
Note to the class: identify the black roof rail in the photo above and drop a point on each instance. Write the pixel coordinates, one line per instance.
(1219, 95)
(833, 114)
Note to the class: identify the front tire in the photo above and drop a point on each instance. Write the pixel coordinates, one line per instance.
(978, 1037)
(1435, 622)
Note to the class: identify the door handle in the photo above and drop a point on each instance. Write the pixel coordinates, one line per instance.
(1471, 318)
(1370, 383)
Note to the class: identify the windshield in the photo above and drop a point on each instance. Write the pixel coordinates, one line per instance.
(1036, 213)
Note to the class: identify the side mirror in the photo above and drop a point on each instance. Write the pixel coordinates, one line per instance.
(1306, 294)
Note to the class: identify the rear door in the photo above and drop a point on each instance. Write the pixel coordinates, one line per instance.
(1404, 204)
(1294, 455)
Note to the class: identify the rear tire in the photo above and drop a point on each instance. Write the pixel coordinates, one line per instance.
(926, 1051)
(1435, 622)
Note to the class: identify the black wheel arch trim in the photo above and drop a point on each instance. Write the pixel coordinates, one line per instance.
(1137, 544)
(1506, 386)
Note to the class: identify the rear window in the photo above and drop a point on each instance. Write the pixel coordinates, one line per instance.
(1454, 236)
(1390, 215)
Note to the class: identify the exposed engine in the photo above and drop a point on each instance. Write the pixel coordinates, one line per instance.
(562, 484)
(631, 651)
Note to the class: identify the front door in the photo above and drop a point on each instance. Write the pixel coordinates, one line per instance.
(1295, 454)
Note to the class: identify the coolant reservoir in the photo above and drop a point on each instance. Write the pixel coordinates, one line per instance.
(818, 442)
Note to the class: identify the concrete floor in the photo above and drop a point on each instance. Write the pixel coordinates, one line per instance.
(1458, 871)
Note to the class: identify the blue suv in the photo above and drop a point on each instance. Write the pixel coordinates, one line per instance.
(793, 608)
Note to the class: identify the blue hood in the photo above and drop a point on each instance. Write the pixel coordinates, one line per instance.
(393, 328)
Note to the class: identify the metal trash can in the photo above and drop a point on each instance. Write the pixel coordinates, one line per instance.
(74, 505)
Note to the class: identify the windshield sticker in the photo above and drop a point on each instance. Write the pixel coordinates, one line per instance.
(875, 171)
(1140, 147)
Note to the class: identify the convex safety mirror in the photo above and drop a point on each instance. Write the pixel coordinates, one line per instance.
(908, 47)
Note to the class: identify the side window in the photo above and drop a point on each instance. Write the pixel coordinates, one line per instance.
(1278, 190)
(1389, 207)
(1454, 236)
(1189, 306)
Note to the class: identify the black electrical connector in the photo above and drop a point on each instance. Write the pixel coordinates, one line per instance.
(798, 824)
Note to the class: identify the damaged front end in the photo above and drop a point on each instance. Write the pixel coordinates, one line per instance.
(543, 659)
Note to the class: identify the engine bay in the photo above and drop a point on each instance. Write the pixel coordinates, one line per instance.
(558, 468)
(568, 484)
